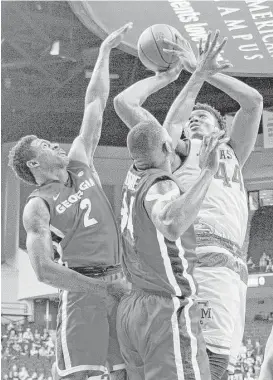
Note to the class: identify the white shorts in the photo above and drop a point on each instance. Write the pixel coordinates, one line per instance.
(222, 300)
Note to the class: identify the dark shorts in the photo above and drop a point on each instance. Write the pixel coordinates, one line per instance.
(160, 338)
(86, 335)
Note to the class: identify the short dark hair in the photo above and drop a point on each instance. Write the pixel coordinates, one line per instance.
(206, 107)
(18, 157)
(143, 138)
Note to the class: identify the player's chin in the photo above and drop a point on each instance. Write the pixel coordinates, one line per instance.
(197, 134)
(64, 160)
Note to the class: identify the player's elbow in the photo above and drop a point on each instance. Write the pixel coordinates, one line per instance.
(172, 232)
(256, 100)
(118, 103)
(40, 275)
(42, 272)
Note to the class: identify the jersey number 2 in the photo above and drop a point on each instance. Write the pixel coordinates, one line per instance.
(86, 203)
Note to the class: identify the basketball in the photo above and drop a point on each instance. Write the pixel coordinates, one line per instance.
(150, 47)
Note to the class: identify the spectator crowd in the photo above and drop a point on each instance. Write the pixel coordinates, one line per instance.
(249, 361)
(265, 264)
(26, 352)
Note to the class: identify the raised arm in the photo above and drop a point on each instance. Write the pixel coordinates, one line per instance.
(206, 65)
(36, 219)
(246, 121)
(128, 104)
(172, 213)
(84, 146)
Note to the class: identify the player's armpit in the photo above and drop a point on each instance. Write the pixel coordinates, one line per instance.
(160, 195)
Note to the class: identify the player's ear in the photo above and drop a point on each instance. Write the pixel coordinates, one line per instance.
(167, 147)
(32, 164)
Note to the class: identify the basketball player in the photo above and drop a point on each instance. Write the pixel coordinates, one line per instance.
(221, 223)
(158, 322)
(267, 366)
(70, 208)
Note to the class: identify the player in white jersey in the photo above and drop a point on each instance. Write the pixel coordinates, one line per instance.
(221, 223)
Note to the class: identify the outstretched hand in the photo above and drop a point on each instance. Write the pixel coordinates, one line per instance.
(209, 152)
(207, 60)
(115, 38)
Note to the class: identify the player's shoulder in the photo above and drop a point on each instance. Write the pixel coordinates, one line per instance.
(35, 210)
(75, 165)
(80, 169)
(162, 188)
(183, 148)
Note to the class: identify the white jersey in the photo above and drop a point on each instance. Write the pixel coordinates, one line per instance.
(221, 271)
(224, 211)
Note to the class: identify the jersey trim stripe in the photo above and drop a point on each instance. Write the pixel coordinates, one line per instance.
(56, 231)
(66, 355)
(176, 341)
(167, 264)
(82, 368)
(181, 254)
(193, 340)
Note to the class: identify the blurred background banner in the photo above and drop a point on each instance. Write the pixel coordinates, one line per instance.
(247, 24)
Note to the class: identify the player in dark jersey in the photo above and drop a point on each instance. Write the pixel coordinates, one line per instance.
(70, 209)
(158, 322)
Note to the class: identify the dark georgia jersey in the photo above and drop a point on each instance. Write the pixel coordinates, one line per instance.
(81, 219)
(150, 261)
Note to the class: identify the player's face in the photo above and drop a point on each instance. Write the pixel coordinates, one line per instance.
(201, 123)
(49, 155)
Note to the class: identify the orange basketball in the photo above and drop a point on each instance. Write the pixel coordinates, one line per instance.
(150, 47)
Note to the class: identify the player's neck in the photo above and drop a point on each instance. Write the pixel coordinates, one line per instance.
(166, 166)
(60, 175)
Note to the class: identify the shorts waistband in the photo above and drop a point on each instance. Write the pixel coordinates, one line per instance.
(97, 271)
(207, 239)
